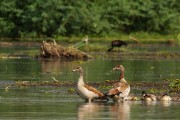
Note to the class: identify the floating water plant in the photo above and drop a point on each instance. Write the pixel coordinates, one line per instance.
(71, 90)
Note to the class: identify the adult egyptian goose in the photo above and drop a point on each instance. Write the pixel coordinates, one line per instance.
(120, 89)
(85, 91)
(165, 97)
(148, 97)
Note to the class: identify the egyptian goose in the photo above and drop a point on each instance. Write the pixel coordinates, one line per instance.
(148, 97)
(165, 97)
(120, 89)
(85, 91)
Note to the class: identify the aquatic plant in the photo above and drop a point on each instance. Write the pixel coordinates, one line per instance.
(174, 85)
(157, 90)
(71, 90)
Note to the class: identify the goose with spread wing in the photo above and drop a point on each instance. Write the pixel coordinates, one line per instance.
(120, 89)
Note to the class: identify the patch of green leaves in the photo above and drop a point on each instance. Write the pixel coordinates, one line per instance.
(47, 18)
(175, 85)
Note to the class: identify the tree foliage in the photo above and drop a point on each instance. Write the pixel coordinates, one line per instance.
(40, 18)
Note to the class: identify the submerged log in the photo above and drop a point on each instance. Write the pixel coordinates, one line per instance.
(54, 50)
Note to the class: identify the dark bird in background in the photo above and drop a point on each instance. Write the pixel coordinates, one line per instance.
(117, 43)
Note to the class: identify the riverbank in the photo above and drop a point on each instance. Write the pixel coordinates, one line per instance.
(97, 50)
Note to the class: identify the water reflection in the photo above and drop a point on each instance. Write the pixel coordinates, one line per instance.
(124, 110)
(147, 103)
(120, 111)
(91, 111)
(88, 111)
(61, 70)
(95, 70)
(101, 70)
(165, 103)
(53, 65)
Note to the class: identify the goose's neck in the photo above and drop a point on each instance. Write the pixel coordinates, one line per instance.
(81, 78)
(121, 76)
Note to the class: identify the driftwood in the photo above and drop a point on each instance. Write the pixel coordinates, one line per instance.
(54, 50)
(135, 39)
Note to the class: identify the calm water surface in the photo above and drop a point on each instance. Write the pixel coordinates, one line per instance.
(94, 70)
(49, 107)
(55, 103)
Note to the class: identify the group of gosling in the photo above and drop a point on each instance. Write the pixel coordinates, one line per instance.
(118, 92)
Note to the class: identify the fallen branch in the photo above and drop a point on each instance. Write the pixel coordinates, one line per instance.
(53, 50)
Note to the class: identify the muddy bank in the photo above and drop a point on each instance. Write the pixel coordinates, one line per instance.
(136, 55)
(133, 51)
(115, 55)
(47, 49)
(145, 55)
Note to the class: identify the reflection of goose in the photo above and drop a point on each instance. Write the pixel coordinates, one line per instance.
(165, 103)
(120, 110)
(148, 97)
(121, 88)
(165, 97)
(85, 91)
(165, 100)
(88, 110)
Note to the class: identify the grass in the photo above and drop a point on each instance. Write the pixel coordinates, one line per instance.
(142, 37)
(175, 84)
(19, 54)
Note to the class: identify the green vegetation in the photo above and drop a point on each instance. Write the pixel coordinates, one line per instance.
(175, 84)
(56, 18)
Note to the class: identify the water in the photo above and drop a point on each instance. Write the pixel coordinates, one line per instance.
(55, 103)
(47, 102)
(94, 70)
(46, 108)
(127, 111)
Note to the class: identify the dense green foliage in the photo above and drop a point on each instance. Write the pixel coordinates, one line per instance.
(47, 18)
(175, 85)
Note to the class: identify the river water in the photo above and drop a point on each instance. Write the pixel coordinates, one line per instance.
(55, 103)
